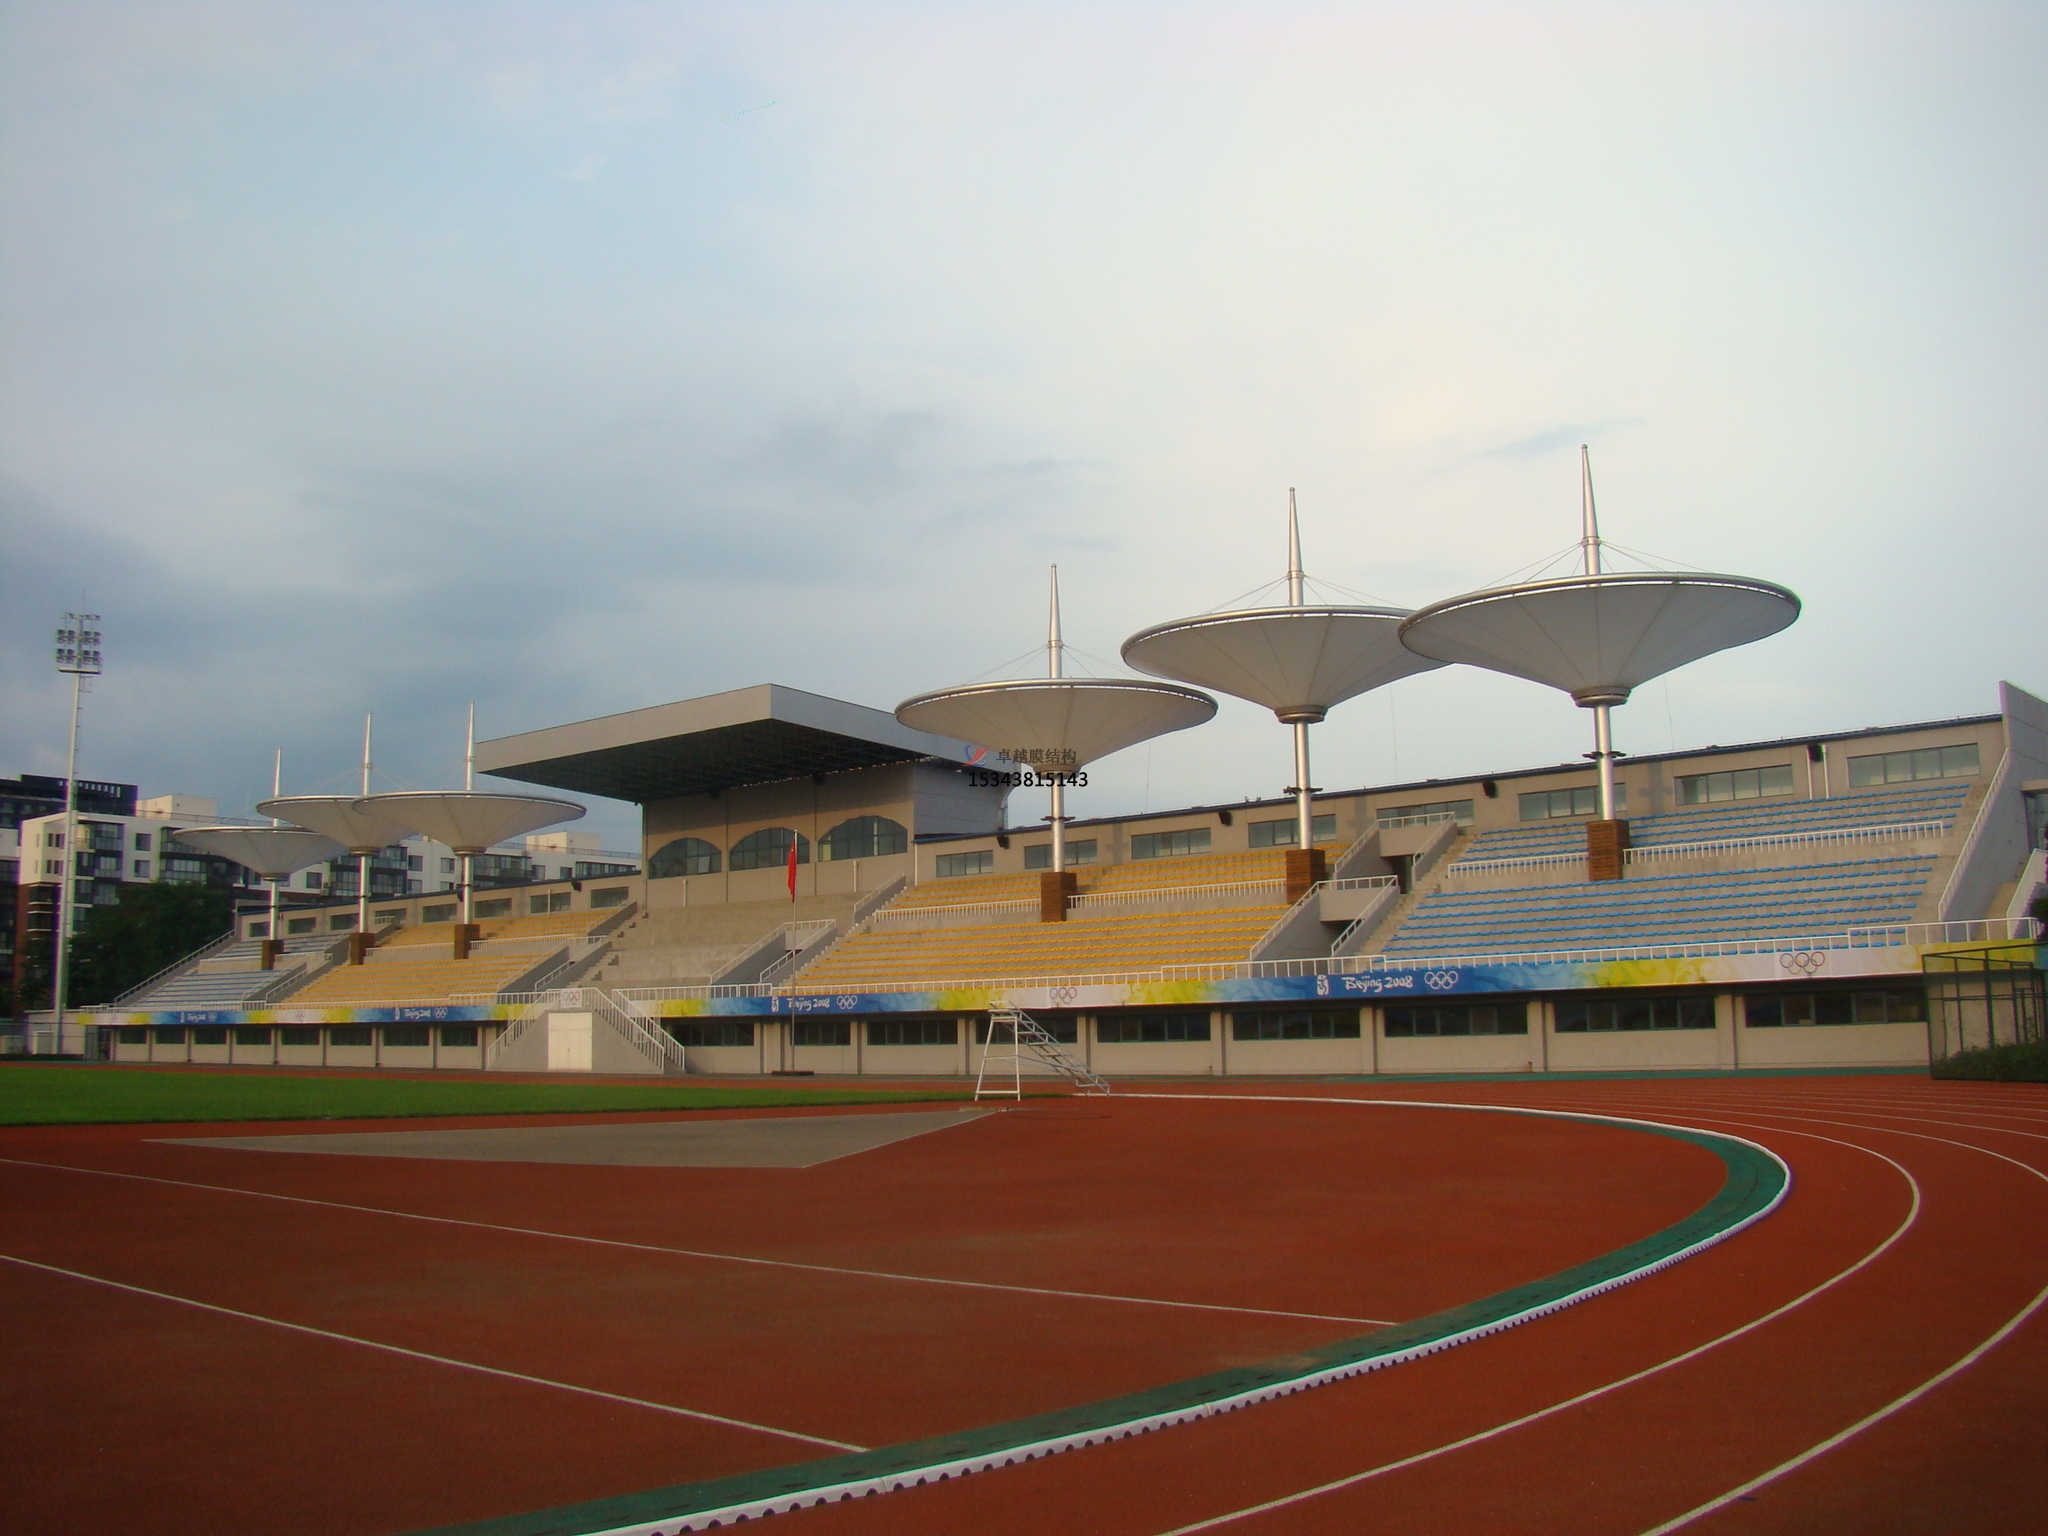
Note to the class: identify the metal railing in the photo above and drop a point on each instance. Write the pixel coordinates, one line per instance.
(1898, 831)
(956, 915)
(1163, 897)
(822, 936)
(1361, 926)
(877, 899)
(210, 948)
(1416, 821)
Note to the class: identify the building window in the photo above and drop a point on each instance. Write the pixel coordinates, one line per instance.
(341, 922)
(1904, 767)
(298, 1036)
(415, 862)
(447, 885)
(245, 1035)
(1063, 1027)
(553, 901)
(1459, 810)
(388, 919)
(1458, 1019)
(1742, 784)
(1080, 851)
(711, 1031)
(1295, 1025)
(913, 1032)
(447, 866)
(462, 1036)
(615, 896)
(444, 912)
(979, 862)
(1170, 845)
(351, 1034)
(864, 837)
(408, 1036)
(1280, 834)
(1550, 804)
(142, 869)
(130, 1036)
(313, 879)
(1633, 1011)
(1151, 1028)
(821, 1032)
(502, 907)
(170, 1035)
(769, 849)
(209, 1037)
(142, 842)
(1782, 1010)
(299, 924)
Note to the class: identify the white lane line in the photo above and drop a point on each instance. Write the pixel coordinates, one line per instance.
(418, 1354)
(1355, 1478)
(693, 1253)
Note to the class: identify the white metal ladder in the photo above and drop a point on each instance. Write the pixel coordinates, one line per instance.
(1016, 1029)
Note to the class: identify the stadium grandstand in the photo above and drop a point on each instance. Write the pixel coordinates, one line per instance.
(827, 890)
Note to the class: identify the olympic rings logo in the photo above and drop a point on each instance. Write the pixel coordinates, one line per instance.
(1806, 961)
(1440, 981)
(1062, 996)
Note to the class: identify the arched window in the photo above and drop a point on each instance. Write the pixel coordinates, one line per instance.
(769, 849)
(864, 837)
(684, 856)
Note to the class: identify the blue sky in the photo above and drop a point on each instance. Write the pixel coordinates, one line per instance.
(573, 358)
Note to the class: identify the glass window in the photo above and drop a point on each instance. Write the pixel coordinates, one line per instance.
(1169, 845)
(142, 842)
(1508, 1018)
(822, 1032)
(1738, 784)
(438, 912)
(129, 1036)
(170, 1035)
(1151, 1028)
(313, 879)
(979, 862)
(299, 925)
(258, 931)
(341, 922)
(502, 907)
(415, 862)
(298, 1036)
(462, 1035)
(769, 849)
(209, 1037)
(1080, 850)
(913, 1032)
(1280, 834)
(447, 866)
(1551, 804)
(1890, 1005)
(244, 1035)
(351, 1034)
(1459, 810)
(1295, 1025)
(710, 1031)
(615, 896)
(864, 837)
(1957, 762)
(1634, 1011)
(407, 1035)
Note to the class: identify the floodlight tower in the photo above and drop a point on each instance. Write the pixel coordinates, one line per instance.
(78, 653)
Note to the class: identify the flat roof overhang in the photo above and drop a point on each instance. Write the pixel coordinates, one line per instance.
(760, 735)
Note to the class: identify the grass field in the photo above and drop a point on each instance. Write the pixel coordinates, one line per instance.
(72, 1095)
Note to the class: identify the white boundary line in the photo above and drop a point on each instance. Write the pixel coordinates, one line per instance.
(693, 1253)
(420, 1354)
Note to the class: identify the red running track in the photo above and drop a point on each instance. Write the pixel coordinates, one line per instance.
(1913, 1235)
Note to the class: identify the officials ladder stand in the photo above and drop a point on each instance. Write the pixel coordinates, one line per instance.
(1012, 1035)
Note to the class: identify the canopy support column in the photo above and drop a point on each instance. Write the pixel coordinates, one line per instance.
(1059, 824)
(1603, 754)
(1304, 806)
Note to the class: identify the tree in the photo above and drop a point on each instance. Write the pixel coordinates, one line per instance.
(152, 926)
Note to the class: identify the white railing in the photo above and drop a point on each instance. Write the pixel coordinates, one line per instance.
(966, 914)
(1361, 926)
(821, 937)
(1157, 897)
(877, 899)
(1416, 821)
(1467, 867)
(1898, 831)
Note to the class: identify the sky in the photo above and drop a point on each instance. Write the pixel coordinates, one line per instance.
(570, 358)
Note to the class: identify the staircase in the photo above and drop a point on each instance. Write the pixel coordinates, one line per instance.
(1027, 1036)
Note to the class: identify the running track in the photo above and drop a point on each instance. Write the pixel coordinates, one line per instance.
(1868, 1358)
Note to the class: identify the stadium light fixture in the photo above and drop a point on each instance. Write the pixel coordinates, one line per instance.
(78, 653)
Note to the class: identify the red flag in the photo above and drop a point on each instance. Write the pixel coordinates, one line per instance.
(792, 866)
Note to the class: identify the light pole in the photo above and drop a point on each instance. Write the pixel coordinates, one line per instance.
(78, 653)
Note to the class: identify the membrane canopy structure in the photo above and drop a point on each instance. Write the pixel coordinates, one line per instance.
(470, 821)
(1057, 724)
(272, 852)
(1599, 635)
(1299, 661)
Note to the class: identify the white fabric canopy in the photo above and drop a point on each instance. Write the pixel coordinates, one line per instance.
(1598, 637)
(356, 824)
(469, 821)
(272, 852)
(1298, 662)
(1058, 723)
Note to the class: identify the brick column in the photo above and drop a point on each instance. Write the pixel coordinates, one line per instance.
(465, 935)
(1606, 850)
(1053, 891)
(1305, 867)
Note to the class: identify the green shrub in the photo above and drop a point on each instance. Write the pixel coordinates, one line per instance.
(1999, 1064)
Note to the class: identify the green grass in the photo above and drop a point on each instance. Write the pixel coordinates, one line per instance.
(75, 1095)
(1999, 1064)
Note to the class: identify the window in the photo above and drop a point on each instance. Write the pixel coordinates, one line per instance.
(447, 866)
(134, 1036)
(351, 1034)
(463, 1035)
(1063, 1027)
(769, 849)
(711, 1031)
(1458, 1019)
(258, 931)
(822, 1032)
(550, 901)
(341, 922)
(170, 1035)
(864, 837)
(1150, 1028)
(1080, 850)
(1169, 845)
(1779, 1010)
(299, 924)
(53, 839)
(142, 842)
(1280, 834)
(415, 862)
(1458, 810)
(244, 1035)
(1293, 1025)
(388, 919)
(615, 896)
(412, 887)
(313, 879)
(979, 862)
(913, 1032)
(1742, 784)
(563, 872)
(1903, 767)
(408, 1035)
(502, 907)
(291, 1036)
(440, 912)
(1548, 804)
(593, 869)
(684, 856)
(1633, 1011)
(446, 886)
(209, 1037)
